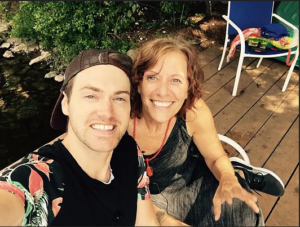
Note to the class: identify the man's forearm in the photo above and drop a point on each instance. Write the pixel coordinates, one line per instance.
(160, 214)
(166, 220)
(11, 209)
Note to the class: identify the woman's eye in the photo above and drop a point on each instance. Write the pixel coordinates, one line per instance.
(176, 80)
(151, 78)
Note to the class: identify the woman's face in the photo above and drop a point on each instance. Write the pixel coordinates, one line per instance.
(164, 87)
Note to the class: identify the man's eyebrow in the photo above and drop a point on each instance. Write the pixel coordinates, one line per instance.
(91, 88)
(100, 90)
(122, 92)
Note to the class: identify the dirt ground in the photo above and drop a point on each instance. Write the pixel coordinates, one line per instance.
(207, 32)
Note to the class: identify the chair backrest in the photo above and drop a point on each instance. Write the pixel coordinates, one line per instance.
(289, 11)
(249, 14)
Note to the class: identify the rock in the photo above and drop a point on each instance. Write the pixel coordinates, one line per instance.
(51, 74)
(44, 56)
(8, 54)
(59, 78)
(132, 53)
(19, 48)
(25, 47)
(14, 41)
(32, 46)
(4, 27)
(5, 45)
(2, 103)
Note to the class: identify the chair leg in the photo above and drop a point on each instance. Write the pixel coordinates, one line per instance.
(288, 77)
(223, 54)
(259, 62)
(238, 74)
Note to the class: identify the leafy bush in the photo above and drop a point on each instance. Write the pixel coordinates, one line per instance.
(8, 9)
(176, 11)
(69, 27)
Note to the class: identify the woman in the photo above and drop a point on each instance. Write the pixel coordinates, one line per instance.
(190, 174)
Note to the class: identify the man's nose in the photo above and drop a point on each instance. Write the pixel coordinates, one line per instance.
(105, 108)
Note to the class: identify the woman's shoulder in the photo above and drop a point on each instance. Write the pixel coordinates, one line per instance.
(197, 116)
(199, 109)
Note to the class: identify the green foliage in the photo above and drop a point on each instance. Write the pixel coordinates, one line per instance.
(8, 9)
(70, 27)
(175, 11)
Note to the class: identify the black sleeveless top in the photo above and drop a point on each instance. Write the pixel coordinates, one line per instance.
(178, 164)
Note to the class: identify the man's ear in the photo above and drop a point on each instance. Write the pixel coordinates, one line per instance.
(65, 105)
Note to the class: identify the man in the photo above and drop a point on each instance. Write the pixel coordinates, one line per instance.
(94, 176)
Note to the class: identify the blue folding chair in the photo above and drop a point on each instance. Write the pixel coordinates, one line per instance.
(255, 14)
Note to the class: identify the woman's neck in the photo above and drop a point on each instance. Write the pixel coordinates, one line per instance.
(151, 125)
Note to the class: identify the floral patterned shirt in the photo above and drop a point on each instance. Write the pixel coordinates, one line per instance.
(38, 182)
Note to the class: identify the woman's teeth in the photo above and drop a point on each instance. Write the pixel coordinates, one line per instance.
(162, 104)
(103, 127)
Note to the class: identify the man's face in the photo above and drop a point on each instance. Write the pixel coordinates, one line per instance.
(99, 107)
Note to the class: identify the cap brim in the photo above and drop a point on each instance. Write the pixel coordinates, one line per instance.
(58, 119)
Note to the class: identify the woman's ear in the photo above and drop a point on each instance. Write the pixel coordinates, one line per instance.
(139, 88)
(65, 105)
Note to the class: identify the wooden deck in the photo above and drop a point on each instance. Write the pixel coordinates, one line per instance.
(263, 120)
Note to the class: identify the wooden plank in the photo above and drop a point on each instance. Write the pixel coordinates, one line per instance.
(211, 69)
(286, 212)
(246, 126)
(241, 105)
(221, 78)
(282, 162)
(209, 54)
(265, 141)
(221, 98)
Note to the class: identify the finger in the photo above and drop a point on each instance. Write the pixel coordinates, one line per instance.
(229, 200)
(244, 195)
(217, 202)
(226, 196)
(248, 198)
(253, 206)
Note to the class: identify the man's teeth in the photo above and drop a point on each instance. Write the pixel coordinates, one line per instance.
(162, 104)
(103, 127)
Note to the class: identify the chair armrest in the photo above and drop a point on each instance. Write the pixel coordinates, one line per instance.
(296, 30)
(236, 146)
(242, 38)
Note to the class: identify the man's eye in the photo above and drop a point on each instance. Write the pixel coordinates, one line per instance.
(90, 96)
(120, 99)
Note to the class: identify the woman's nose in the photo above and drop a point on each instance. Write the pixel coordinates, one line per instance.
(163, 89)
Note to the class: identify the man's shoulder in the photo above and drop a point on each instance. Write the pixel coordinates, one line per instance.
(44, 155)
(127, 143)
(126, 152)
(36, 179)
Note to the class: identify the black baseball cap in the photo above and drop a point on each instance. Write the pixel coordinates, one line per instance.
(82, 61)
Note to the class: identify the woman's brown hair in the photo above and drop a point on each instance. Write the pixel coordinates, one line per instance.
(147, 56)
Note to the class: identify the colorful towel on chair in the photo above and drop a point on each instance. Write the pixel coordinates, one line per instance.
(283, 43)
(254, 35)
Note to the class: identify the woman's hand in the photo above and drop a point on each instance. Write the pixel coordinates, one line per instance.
(230, 188)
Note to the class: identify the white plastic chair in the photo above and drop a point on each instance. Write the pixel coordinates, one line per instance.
(236, 146)
(255, 14)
